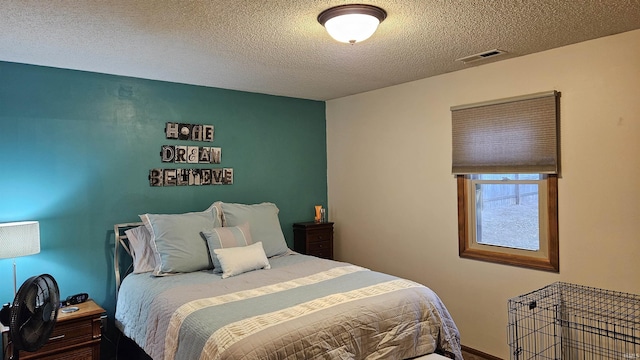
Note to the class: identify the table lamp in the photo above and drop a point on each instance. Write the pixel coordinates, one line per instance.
(19, 239)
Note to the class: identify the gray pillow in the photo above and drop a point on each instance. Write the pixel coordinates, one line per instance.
(176, 240)
(224, 238)
(263, 224)
(140, 243)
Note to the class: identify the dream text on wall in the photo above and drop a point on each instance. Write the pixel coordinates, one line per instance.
(179, 154)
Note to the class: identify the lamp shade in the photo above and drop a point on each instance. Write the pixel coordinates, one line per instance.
(352, 23)
(19, 239)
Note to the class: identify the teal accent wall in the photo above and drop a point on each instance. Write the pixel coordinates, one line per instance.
(76, 149)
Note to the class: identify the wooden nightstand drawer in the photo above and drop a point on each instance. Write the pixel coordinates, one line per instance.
(324, 253)
(84, 353)
(318, 246)
(76, 336)
(67, 334)
(320, 235)
(314, 239)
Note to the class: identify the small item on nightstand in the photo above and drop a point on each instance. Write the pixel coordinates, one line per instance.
(323, 215)
(70, 309)
(77, 299)
(318, 216)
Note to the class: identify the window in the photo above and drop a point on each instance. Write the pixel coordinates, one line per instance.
(509, 221)
(506, 161)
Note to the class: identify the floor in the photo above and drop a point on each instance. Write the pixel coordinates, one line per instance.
(468, 356)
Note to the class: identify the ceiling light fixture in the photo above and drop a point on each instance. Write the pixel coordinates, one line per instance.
(352, 23)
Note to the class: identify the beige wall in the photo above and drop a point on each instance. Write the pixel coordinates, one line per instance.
(393, 198)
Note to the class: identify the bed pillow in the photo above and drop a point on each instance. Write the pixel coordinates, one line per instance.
(263, 224)
(238, 260)
(176, 241)
(141, 252)
(217, 207)
(224, 238)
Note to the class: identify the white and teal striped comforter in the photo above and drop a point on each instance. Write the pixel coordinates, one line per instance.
(302, 308)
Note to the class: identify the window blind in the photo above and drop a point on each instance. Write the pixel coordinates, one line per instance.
(507, 136)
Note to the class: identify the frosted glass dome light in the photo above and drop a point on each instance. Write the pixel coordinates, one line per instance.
(352, 23)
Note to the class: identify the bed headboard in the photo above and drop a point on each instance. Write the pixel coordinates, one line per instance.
(122, 249)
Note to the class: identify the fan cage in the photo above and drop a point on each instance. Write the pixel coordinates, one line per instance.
(34, 313)
(567, 321)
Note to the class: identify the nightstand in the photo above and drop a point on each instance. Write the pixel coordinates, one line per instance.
(76, 335)
(314, 239)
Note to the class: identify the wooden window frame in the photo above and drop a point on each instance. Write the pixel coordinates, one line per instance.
(550, 262)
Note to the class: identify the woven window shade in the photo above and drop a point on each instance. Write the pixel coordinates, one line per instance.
(507, 136)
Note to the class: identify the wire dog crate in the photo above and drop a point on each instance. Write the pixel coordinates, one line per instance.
(572, 322)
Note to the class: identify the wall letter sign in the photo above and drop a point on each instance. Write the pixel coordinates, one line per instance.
(189, 154)
(189, 177)
(189, 132)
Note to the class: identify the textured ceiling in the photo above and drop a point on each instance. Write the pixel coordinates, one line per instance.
(277, 46)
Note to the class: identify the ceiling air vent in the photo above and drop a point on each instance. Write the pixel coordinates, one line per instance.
(481, 56)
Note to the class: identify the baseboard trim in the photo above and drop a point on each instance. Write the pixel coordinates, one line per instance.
(479, 353)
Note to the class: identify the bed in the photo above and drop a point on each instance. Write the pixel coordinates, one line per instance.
(250, 298)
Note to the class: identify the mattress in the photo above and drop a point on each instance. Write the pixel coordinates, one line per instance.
(302, 308)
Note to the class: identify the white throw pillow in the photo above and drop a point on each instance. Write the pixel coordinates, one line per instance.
(238, 260)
